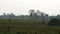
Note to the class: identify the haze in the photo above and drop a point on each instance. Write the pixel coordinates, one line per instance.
(21, 7)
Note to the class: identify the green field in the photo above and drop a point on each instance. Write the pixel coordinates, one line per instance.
(27, 26)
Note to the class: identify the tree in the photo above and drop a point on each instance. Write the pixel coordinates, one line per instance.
(38, 12)
(46, 15)
(35, 15)
(58, 16)
(42, 15)
(4, 14)
(12, 14)
(31, 12)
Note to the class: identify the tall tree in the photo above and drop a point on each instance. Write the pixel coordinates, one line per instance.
(31, 12)
(42, 15)
(38, 12)
(43, 19)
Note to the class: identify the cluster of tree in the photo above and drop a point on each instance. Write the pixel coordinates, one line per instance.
(37, 13)
(33, 14)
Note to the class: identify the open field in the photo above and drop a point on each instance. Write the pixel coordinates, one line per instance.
(26, 26)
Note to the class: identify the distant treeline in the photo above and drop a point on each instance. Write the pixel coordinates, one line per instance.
(27, 17)
(32, 15)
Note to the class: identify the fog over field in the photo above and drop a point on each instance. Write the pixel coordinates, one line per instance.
(51, 7)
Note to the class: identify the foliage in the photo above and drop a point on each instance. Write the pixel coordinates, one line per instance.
(29, 26)
(54, 22)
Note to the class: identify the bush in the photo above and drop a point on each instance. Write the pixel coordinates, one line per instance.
(54, 22)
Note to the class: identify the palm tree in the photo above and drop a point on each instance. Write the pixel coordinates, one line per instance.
(42, 15)
(31, 13)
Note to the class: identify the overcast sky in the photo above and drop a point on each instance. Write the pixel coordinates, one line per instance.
(51, 7)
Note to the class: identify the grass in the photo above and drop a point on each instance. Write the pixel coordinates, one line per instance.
(27, 26)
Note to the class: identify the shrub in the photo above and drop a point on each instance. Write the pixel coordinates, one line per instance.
(54, 22)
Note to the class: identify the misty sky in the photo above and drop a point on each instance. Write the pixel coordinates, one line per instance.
(51, 7)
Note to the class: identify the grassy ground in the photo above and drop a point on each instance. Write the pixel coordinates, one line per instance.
(27, 26)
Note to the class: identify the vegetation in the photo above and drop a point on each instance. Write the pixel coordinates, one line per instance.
(27, 26)
(35, 23)
(54, 22)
